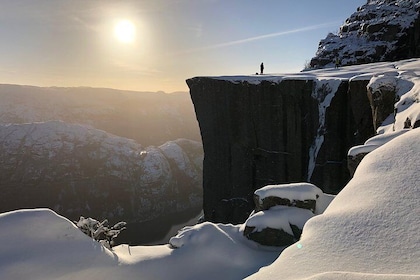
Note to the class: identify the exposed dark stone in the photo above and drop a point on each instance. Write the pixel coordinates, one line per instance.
(269, 202)
(260, 134)
(297, 232)
(234, 210)
(372, 28)
(382, 102)
(408, 45)
(348, 122)
(272, 201)
(249, 135)
(360, 112)
(271, 237)
(330, 171)
(354, 161)
(407, 123)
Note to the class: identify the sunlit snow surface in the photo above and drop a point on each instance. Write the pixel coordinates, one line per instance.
(369, 231)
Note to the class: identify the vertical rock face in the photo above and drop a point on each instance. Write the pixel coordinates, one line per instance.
(348, 121)
(259, 134)
(382, 94)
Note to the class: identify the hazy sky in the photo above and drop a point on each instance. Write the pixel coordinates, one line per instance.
(73, 42)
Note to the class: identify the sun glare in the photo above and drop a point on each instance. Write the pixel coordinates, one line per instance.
(125, 31)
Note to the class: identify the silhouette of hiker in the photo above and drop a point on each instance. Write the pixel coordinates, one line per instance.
(337, 62)
(262, 68)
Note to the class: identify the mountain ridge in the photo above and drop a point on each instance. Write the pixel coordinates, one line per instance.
(380, 30)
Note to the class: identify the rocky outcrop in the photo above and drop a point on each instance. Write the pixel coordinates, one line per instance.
(78, 170)
(382, 94)
(257, 134)
(281, 212)
(380, 30)
(353, 162)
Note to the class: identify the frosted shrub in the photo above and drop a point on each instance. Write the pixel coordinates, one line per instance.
(100, 231)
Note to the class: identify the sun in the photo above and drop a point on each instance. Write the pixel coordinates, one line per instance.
(125, 31)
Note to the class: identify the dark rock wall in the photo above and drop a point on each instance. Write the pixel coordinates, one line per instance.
(348, 122)
(360, 111)
(256, 135)
(408, 45)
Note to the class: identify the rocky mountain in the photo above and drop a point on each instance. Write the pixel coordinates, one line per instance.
(150, 118)
(78, 170)
(380, 30)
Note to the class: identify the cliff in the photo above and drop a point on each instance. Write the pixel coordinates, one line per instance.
(271, 129)
(255, 134)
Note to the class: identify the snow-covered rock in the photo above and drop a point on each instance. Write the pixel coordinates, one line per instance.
(281, 212)
(300, 195)
(380, 30)
(278, 226)
(397, 115)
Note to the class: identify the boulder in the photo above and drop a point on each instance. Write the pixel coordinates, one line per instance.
(354, 161)
(279, 226)
(300, 195)
(270, 236)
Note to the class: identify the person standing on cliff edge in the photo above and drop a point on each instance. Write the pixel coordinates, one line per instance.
(262, 68)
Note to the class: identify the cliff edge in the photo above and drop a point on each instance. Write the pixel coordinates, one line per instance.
(270, 129)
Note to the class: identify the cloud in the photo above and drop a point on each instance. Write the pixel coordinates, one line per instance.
(261, 37)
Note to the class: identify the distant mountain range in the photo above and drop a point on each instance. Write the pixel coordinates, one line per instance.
(59, 149)
(150, 118)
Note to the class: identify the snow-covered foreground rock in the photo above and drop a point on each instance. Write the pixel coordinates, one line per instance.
(369, 231)
(370, 227)
(39, 244)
